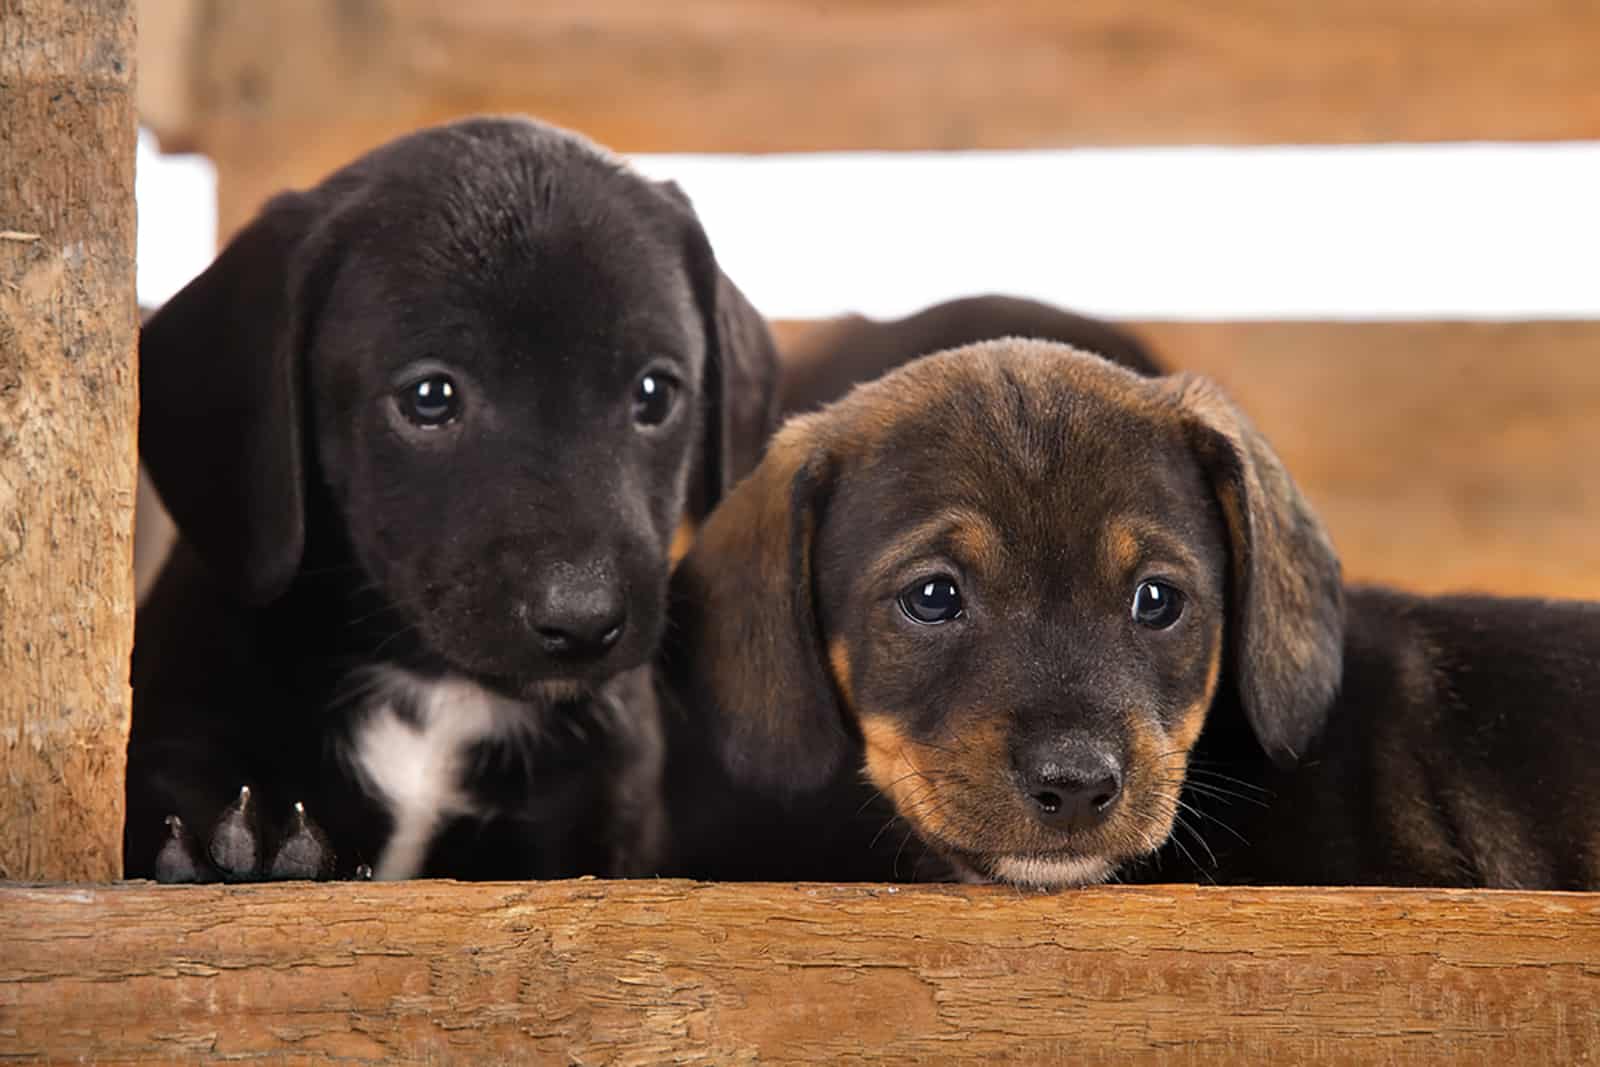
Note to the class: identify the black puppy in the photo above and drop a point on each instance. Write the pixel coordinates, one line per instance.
(428, 432)
(826, 361)
(1056, 611)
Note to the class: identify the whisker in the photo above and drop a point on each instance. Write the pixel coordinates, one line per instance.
(1223, 795)
(1202, 768)
(1207, 815)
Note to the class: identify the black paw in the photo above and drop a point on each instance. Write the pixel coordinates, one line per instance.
(240, 848)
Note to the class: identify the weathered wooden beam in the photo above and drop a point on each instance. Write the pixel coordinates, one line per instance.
(647, 972)
(67, 417)
(281, 92)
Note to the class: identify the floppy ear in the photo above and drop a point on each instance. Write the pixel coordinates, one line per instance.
(746, 645)
(740, 408)
(220, 415)
(1286, 601)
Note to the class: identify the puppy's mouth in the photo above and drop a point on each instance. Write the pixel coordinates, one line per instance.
(1050, 870)
(543, 690)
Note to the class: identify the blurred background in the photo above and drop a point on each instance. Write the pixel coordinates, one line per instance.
(1375, 223)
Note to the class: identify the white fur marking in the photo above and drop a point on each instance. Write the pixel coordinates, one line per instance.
(416, 769)
(1050, 874)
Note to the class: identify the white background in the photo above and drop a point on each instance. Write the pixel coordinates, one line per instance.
(1409, 231)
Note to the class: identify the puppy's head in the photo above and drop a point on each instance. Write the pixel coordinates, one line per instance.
(1012, 580)
(487, 369)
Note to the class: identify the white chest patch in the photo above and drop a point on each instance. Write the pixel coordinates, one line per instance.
(416, 764)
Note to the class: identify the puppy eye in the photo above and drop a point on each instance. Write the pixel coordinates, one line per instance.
(931, 601)
(1157, 605)
(431, 402)
(654, 398)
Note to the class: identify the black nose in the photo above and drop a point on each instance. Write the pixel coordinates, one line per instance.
(1071, 783)
(578, 612)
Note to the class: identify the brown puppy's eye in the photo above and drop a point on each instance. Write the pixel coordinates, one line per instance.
(931, 601)
(653, 398)
(431, 402)
(1157, 605)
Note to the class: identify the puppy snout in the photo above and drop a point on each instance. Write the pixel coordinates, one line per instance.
(1071, 784)
(578, 612)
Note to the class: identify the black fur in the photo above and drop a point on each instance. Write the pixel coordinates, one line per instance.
(323, 534)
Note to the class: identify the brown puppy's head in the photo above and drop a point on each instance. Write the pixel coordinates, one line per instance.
(480, 376)
(1012, 579)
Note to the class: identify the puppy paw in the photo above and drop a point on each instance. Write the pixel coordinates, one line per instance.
(181, 860)
(305, 852)
(363, 873)
(235, 845)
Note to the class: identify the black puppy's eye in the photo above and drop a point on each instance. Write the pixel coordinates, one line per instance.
(1157, 605)
(653, 398)
(431, 402)
(931, 600)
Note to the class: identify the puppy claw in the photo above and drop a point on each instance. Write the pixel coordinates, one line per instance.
(236, 840)
(180, 860)
(306, 853)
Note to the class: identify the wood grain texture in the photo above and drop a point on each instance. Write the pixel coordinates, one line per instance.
(281, 93)
(649, 972)
(1444, 456)
(67, 420)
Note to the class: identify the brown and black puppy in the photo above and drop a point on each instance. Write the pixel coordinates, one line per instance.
(1080, 625)
(824, 363)
(429, 431)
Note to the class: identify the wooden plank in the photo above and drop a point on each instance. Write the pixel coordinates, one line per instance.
(67, 418)
(1444, 456)
(644, 972)
(282, 92)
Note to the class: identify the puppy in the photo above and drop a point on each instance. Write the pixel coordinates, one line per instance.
(428, 432)
(1080, 625)
(827, 361)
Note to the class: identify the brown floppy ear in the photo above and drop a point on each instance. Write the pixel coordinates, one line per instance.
(1286, 597)
(220, 415)
(740, 406)
(746, 651)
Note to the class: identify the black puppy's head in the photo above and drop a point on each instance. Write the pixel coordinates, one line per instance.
(488, 368)
(1011, 580)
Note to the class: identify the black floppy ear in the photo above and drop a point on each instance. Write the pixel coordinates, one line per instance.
(747, 649)
(220, 414)
(1286, 601)
(740, 406)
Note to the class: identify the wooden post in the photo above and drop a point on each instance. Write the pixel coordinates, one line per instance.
(68, 402)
